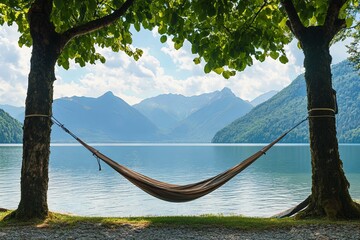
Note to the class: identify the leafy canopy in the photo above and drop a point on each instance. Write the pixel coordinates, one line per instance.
(67, 15)
(227, 35)
(234, 33)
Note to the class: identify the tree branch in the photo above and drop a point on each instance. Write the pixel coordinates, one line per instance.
(333, 12)
(294, 22)
(332, 22)
(96, 24)
(258, 12)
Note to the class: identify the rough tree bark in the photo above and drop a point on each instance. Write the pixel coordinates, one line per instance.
(329, 194)
(38, 109)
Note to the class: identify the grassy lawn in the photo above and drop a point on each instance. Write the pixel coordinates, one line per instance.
(238, 222)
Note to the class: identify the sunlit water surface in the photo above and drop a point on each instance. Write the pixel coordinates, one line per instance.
(277, 181)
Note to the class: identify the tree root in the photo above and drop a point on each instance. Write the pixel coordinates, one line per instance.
(349, 212)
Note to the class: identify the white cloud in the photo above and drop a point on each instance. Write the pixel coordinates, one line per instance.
(255, 80)
(182, 58)
(125, 77)
(148, 77)
(14, 67)
(339, 50)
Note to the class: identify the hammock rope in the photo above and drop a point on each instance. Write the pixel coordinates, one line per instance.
(172, 192)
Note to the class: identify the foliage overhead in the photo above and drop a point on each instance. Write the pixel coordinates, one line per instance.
(232, 34)
(80, 16)
(227, 35)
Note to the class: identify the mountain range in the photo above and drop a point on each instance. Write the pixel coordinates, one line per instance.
(104, 119)
(219, 115)
(195, 118)
(268, 120)
(165, 118)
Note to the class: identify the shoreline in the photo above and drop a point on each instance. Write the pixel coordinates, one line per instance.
(61, 227)
(128, 231)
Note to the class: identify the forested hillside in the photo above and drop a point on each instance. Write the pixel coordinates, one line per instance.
(271, 118)
(10, 129)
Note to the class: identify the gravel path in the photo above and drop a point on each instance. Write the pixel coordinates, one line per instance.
(97, 231)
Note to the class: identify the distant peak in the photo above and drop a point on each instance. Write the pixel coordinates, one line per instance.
(226, 89)
(226, 92)
(108, 94)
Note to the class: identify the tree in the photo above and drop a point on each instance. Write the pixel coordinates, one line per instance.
(223, 33)
(57, 33)
(231, 34)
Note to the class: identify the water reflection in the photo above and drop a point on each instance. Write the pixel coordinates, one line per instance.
(277, 181)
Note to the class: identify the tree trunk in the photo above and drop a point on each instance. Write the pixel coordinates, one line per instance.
(36, 140)
(330, 196)
(38, 109)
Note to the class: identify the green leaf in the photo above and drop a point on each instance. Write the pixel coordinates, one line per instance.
(218, 70)
(197, 60)
(274, 55)
(162, 29)
(127, 38)
(283, 59)
(299, 45)
(139, 52)
(313, 21)
(137, 26)
(163, 38)
(102, 59)
(178, 45)
(349, 22)
(227, 74)
(282, 24)
(207, 68)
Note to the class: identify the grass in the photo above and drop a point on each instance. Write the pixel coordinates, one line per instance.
(237, 222)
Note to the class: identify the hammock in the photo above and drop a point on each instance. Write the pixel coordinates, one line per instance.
(172, 192)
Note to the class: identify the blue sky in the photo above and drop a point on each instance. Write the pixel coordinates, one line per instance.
(161, 70)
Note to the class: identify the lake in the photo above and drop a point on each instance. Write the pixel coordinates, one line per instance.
(275, 182)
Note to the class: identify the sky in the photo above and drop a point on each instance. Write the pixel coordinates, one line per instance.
(161, 70)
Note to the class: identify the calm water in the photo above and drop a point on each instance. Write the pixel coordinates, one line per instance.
(277, 181)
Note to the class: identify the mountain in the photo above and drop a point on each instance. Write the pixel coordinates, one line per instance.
(165, 118)
(173, 118)
(103, 119)
(10, 129)
(270, 119)
(223, 108)
(15, 112)
(166, 111)
(263, 98)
